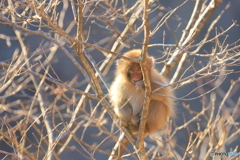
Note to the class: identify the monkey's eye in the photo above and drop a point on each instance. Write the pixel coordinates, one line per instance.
(131, 70)
(139, 70)
(136, 70)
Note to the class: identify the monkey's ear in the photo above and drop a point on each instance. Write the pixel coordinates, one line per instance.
(150, 61)
(119, 63)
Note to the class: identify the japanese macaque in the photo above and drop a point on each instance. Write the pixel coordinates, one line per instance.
(127, 95)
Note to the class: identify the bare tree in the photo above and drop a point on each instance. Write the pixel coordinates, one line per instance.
(53, 108)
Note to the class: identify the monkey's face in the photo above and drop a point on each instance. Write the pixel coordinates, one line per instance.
(134, 73)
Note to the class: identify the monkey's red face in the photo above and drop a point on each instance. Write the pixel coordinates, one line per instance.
(135, 73)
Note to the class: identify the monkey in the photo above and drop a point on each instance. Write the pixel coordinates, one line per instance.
(127, 93)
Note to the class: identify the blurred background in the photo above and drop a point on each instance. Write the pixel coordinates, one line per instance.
(39, 49)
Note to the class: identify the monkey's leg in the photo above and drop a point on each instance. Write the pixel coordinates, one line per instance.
(119, 148)
(157, 116)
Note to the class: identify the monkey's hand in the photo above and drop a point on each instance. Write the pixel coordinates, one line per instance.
(135, 120)
(140, 84)
(124, 113)
(123, 122)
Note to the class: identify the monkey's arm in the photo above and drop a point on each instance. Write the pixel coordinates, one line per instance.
(119, 102)
(124, 111)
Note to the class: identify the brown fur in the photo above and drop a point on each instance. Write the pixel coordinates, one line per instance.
(127, 99)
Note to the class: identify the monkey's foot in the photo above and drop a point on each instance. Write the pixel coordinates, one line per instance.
(135, 120)
(123, 123)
